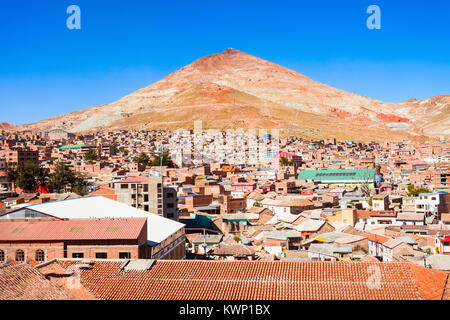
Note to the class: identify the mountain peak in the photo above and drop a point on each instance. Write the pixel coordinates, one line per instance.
(267, 95)
(231, 51)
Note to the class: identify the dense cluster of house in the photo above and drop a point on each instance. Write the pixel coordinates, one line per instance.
(303, 202)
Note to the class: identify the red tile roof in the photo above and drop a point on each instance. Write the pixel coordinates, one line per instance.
(24, 282)
(263, 280)
(66, 279)
(106, 192)
(362, 214)
(432, 284)
(375, 237)
(135, 180)
(82, 229)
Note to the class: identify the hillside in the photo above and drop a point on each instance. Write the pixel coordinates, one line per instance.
(234, 89)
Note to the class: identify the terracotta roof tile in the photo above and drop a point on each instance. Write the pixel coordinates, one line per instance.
(263, 280)
(24, 282)
(431, 283)
(77, 229)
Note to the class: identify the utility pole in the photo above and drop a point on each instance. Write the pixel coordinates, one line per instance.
(161, 150)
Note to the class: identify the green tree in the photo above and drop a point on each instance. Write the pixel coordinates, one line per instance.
(286, 162)
(79, 185)
(142, 158)
(91, 155)
(413, 192)
(27, 177)
(12, 173)
(166, 161)
(62, 177)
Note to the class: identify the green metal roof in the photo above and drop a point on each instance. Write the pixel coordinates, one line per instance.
(350, 175)
(73, 146)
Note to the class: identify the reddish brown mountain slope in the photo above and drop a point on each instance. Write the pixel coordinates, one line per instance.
(233, 88)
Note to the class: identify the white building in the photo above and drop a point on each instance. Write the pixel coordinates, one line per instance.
(442, 244)
(433, 204)
(411, 219)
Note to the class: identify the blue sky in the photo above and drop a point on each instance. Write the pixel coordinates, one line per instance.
(48, 70)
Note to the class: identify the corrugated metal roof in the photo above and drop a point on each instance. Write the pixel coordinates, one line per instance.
(73, 146)
(338, 175)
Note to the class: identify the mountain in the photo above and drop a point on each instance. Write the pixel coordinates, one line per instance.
(233, 89)
(432, 115)
(7, 126)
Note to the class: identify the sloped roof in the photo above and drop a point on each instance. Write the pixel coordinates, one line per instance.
(375, 237)
(263, 280)
(77, 229)
(24, 282)
(208, 238)
(294, 202)
(337, 237)
(310, 225)
(411, 216)
(138, 179)
(362, 214)
(233, 249)
(158, 228)
(329, 248)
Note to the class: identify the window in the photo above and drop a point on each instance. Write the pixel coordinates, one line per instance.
(169, 195)
(145, 187)
(124, 255)
(145, 197)
(77, 255)
(20, 256)
(101, 255)
(123, 186)
(2, 256)
(40, 255)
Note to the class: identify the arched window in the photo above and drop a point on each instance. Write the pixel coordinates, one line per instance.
(40, 255)
(20, 256)
(2, 256)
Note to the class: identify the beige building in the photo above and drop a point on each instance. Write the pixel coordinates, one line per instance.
(380, 202)
(148, 194)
